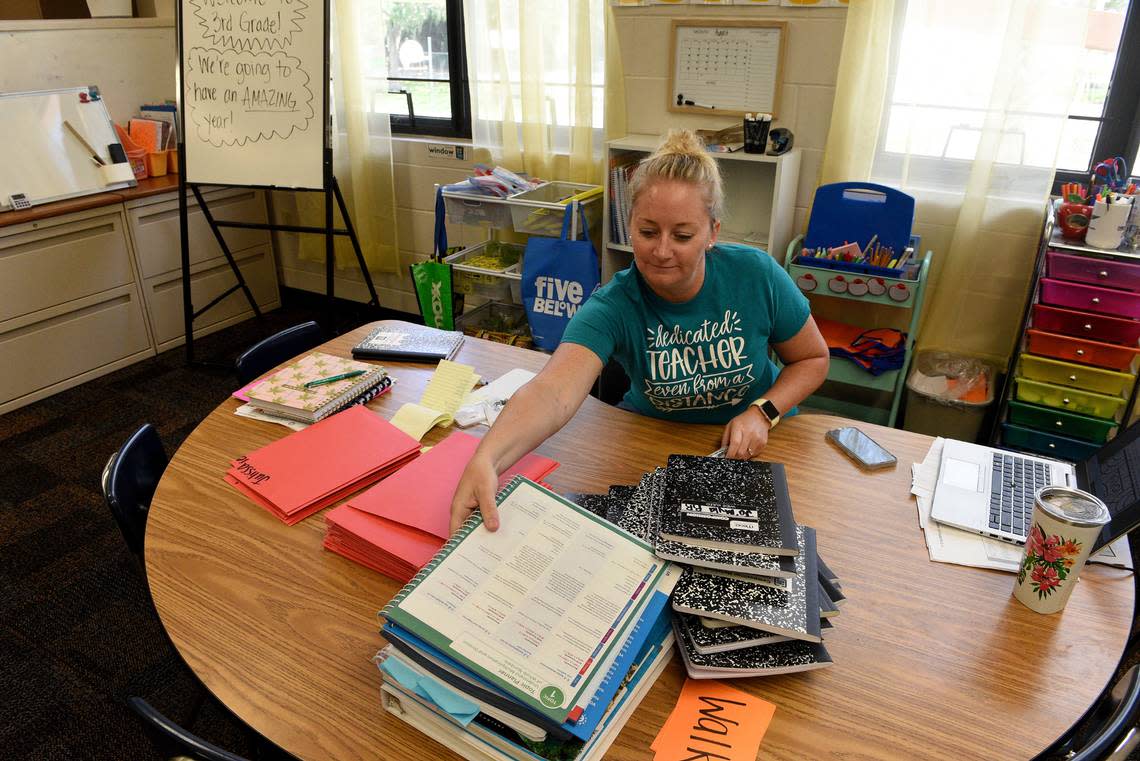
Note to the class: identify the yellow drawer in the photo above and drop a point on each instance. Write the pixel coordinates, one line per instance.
(1083, 402)
(1076, 376)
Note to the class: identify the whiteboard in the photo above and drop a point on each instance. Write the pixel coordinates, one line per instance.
(39, 158)
(726, 67)
(252, 91)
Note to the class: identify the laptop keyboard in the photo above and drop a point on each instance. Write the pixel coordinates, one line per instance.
(1015, 481)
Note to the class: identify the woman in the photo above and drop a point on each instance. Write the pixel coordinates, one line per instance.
(691, 322)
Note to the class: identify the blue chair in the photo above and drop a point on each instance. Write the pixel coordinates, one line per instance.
(1111, 733)
(174, 741)
(270, 352)
(129, 480)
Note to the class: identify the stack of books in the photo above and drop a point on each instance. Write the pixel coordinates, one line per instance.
(316, 386)
(536, 641)
(754, 598)
(396, 527)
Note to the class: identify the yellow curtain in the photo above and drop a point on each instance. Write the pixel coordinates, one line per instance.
(860, 90)
(362, 146)
(537, 74)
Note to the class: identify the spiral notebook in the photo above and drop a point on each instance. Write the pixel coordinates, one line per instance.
(284, 392)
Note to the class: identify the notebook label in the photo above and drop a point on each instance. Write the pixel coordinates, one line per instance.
(252, 474)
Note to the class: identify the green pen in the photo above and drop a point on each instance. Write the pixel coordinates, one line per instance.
(334, 378)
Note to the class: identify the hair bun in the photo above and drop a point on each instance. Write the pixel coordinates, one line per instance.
(682, 142)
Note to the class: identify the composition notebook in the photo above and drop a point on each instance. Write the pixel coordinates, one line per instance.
(409, 342)
(739, 505)
(539, 605)
(285, 393)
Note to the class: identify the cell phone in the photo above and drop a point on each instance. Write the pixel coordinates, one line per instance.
(861, 448)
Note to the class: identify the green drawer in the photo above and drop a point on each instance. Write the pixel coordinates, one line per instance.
(1076, 376)
(1060, 422)
(1070, 399)
(1046, 443)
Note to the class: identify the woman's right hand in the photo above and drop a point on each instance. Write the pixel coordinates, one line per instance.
(476, 490)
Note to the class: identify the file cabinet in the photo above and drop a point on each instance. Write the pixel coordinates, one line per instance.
(1071, 383)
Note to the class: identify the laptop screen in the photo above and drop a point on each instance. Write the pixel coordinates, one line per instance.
(1113, 474)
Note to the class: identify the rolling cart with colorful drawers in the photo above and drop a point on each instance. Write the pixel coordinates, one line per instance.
(1074, 376)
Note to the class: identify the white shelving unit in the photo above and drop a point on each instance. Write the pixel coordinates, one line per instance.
(759, 199)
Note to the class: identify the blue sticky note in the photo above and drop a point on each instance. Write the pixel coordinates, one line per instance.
(431, 690)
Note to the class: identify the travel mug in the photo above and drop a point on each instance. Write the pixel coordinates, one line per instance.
(1107, 223)
(1073, 219)
(1066, 524)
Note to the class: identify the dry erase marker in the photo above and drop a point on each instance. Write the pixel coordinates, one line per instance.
(334, 378)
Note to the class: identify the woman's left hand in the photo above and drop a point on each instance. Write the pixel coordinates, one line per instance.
(746, 435)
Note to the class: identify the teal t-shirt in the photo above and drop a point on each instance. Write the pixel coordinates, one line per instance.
(704, 360)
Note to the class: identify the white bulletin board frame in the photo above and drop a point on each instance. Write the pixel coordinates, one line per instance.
(726, 67)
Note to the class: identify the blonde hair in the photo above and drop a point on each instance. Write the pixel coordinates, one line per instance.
(681, 156)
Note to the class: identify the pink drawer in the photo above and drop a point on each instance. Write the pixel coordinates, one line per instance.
(1086, 325)
(1086, 269)
(1062, 293)
(1113, 357)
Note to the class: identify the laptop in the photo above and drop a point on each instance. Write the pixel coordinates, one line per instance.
(990, 491)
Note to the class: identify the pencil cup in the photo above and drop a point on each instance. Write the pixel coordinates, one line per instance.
(172, 160)
(1107, 223)
(1066, 523)
(156, 164)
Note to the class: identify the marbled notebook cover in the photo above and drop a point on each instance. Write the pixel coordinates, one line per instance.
(762, 660)
(412, 341)
(722, 639)
(794, 612)
(728, 504)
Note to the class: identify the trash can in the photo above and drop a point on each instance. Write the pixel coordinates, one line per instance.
(947, 394)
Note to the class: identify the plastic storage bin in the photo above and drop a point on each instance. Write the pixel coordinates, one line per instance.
(1071, 399)
(540, 211)
(940, 414)
(1075, 376)
(1085, 325)
(503, 323)
(473, 209)
(1111, 356)
(490, 269)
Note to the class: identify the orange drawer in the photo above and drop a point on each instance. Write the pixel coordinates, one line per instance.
(1088, 269)
(1122, 358)
(1097, 327)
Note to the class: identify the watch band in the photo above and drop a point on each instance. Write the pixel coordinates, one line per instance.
(768, 410)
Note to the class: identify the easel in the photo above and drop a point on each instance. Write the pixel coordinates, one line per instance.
(329, 187)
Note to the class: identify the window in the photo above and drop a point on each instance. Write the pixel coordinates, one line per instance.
(424, 86)
(1104, 119)
(935, 116)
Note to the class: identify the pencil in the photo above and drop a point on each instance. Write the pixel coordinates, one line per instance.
(83, 141)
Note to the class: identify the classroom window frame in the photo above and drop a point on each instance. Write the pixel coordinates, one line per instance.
(459, 125)
(1119, 132)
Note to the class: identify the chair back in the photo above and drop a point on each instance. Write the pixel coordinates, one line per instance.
(1113, 734)
(172, 740)
(129, 481)
(270, 352)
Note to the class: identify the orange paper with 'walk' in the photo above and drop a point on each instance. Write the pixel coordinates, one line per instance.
(306, 471)
(713, 720)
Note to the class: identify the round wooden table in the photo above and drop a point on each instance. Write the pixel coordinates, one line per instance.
(931, 660)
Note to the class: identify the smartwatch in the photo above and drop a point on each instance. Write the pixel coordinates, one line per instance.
(768, 410)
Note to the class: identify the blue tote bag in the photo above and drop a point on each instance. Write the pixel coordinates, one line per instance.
(558, 276)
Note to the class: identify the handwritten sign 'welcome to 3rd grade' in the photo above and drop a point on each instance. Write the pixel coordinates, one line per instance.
(252, 91)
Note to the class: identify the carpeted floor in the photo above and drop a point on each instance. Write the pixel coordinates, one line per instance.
(77, 635)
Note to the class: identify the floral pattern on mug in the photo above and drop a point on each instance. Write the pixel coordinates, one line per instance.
(1047, 560)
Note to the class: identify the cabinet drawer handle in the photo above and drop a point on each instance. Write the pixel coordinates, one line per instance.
(1060, 424)
(1088, 326)
(1080, 352)
(1102, 274)
(1065, 400)
(1073, 378)
(1052, 445)
(1096, 299)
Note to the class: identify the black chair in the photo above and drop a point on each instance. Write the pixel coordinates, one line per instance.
(129, 481)
(174, 741)
(1110, 732)
(270, 352)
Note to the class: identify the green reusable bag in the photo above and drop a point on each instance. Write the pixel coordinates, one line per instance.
(432, 281)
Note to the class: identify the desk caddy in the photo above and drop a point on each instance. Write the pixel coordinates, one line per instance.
(1071, 383)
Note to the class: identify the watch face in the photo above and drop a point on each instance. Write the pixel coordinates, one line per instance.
(769, 410)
